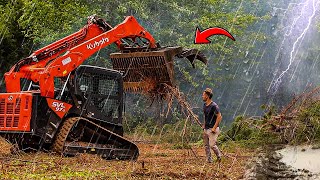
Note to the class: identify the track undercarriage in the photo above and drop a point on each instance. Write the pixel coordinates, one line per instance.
(79, 135)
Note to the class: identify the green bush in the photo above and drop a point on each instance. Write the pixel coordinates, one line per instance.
(246, 132)
(168, 133)
(308, 125)
(302, 128)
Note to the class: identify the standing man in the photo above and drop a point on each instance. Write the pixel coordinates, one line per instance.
(212, 118)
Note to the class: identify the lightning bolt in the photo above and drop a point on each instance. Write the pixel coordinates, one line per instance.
(278, 81)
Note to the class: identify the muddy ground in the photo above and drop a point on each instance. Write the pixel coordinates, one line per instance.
(156, 161)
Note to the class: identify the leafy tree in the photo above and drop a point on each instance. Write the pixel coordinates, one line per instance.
(26, 25)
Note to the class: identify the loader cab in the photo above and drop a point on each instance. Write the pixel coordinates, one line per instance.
(100, 92)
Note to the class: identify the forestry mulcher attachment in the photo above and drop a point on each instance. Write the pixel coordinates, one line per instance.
(147, 71)
(54, 102)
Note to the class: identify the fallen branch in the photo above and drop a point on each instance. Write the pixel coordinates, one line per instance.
(182, 102)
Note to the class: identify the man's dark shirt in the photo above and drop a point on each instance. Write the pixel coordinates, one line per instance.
(210, 114)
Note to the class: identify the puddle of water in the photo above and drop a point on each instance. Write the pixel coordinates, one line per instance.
(301, 157)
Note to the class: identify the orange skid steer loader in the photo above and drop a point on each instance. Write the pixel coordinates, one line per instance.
(54, 102)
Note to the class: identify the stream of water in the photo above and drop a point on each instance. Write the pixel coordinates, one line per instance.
(285, 162)
(301, 157)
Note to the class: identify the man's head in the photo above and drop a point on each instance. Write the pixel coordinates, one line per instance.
(207, 94)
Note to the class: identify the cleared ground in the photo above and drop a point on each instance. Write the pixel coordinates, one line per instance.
(156, 161)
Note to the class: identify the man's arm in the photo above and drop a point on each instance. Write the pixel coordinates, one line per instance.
(219, 118)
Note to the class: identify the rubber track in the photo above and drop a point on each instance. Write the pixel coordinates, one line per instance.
(63, 134)
(58, 145)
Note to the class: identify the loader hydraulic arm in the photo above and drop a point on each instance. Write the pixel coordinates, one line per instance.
(73, 58)
(45, 64)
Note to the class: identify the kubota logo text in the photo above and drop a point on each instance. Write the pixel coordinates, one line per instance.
(58, 106)
(97, 43)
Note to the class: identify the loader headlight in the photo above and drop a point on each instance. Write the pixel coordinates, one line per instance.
(84, 88)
